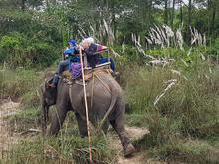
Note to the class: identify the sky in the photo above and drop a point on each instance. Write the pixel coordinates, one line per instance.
(186, 1)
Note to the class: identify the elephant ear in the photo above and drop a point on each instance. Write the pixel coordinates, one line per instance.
(48, 78)
(48, 82)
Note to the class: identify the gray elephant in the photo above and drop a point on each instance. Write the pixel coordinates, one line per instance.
(104, 95)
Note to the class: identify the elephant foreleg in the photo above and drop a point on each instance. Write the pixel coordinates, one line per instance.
(58, 119)
(44, 117)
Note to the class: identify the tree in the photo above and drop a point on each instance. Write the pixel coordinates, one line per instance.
(166, 12)
(189, 20)
(20, 4)
(181, 11)
(173, 13)
(214, 6)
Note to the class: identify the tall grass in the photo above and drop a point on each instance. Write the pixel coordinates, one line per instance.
(187, 112)
(66, 148)
(17, 83)
(143, 85)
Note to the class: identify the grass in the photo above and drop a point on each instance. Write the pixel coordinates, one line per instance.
(136, 120)
(68, 148)
(184, 119)
(17, 83)
(26, 118)
(183, 125)
(189, 151)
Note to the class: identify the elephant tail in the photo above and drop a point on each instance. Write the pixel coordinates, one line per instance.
(114, 94)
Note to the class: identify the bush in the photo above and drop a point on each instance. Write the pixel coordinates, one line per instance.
(19, 51)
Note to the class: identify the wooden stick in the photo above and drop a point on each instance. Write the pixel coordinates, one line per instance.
(86, 107)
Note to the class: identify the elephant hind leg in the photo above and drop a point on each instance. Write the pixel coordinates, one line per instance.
(120, 130)
(118, 126)
(57, 121)
(82, 125)
(117, 122)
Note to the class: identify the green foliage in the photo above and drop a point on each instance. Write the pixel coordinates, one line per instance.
(17, 50)
(216, 47)
(33, 34)
(46, 27)
(27, 40)
(187, 112)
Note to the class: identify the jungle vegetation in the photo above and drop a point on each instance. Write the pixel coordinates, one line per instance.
(167, 53)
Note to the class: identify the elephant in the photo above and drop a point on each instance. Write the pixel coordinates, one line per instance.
(49, 96)
(105, 101)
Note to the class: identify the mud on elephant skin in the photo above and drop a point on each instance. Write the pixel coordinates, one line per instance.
(104, 95)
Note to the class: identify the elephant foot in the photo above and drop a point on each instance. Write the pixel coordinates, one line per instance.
(129, 150)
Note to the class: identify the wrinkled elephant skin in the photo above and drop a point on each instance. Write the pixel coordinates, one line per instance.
(102, 95)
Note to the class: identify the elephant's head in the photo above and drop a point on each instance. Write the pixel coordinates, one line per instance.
(49, 95)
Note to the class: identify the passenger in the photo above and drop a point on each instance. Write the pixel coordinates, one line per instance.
(68, 53)
(85, 37)
(74, 56)
(65, 56)
(91, 49)
(112, 64)
(69, 45)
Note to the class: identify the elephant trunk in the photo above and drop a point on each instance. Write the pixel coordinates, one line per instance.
(44, 117)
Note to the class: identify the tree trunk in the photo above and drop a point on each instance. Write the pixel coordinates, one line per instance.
(213, 17)
(209, 15)
(173, 13)
(189, 21)
(165, 12)
(47, 4)
(181, 12)
(23, 5)
(114, 19)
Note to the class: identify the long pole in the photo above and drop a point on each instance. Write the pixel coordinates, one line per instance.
(86, 107)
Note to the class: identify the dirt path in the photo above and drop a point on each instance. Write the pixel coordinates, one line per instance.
(138, 157)
(134, 133)
(7, 107)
